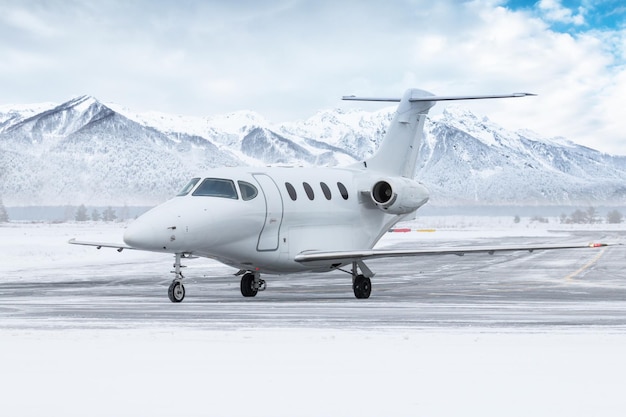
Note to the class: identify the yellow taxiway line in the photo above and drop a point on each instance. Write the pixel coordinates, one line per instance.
(586, 266)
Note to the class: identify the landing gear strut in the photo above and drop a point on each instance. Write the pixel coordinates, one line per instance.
(176, 291)
(251, 284)
(361, 283)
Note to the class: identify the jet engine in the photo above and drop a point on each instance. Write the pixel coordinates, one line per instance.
(399, 195)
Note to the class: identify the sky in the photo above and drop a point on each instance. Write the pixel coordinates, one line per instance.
(287, 59)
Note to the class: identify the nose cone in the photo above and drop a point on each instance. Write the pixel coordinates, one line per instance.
(154, 231)
(162, 229)
(142, 236)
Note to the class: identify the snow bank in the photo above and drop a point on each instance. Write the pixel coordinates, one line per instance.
(189, 371)
(311, 373)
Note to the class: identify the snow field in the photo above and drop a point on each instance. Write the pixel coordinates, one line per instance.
(138, 370)
(311, 372)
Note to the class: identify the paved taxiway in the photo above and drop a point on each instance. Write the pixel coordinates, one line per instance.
(546, 289)
(92, 332)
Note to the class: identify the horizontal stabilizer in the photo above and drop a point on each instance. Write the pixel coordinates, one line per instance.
(439, 98)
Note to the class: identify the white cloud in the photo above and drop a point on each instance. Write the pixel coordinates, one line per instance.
(287, 59)
(24, 20)
(554, 10)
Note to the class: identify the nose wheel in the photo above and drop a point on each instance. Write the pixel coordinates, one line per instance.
(176, 290)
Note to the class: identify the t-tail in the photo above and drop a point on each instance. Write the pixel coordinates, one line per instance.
(398, 152)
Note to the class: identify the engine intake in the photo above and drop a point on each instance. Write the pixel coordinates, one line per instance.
(399, 195)
(383, 194)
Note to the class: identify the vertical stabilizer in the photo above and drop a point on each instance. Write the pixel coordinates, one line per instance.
(398, 152)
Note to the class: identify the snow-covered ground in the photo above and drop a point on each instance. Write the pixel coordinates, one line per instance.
(142, 367)
(287, 372)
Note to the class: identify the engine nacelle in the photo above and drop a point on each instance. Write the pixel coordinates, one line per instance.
(399, 195)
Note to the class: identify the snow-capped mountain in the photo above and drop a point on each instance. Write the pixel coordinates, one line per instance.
(466, 160)
(86, 152)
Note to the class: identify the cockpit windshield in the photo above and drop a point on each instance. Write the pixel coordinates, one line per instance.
(188, 187)
(217, 187)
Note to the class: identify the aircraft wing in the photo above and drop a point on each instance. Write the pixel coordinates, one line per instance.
(349, 256)
(99, 245)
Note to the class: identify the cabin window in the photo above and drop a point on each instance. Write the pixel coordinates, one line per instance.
(343, 190)
(308, 190)
(326, 191)
(216, 187)
(192, 183)
(248, 191)
(291, 191)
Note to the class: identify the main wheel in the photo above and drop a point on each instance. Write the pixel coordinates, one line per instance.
(247, 285)
(362, 287)
(176, 292)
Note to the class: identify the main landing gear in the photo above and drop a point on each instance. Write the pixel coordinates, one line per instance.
(176, 291)
(251, 283)
(361, 283)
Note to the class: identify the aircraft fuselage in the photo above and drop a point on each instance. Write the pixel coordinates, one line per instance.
(295, 210)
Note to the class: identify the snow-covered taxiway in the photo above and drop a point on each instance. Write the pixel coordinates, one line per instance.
(88, 332)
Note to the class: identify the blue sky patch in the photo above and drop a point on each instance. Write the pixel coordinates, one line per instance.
(576, 15)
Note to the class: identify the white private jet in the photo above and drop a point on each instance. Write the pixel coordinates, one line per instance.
(287, 220)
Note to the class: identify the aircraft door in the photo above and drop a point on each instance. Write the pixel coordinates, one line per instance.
(269, 236)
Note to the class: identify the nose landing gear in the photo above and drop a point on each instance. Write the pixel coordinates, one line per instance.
(176, 290)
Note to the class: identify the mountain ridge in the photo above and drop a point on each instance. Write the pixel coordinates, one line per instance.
(85, 151)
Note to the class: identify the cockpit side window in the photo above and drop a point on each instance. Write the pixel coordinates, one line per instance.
(216, 187)
(192, 183)
(248, 191)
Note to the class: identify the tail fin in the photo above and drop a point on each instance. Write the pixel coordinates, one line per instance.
(398, 152)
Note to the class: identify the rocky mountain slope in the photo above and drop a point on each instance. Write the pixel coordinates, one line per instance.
(84, 151)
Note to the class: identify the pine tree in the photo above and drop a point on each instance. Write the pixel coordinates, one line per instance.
(125, 214)
(4, 216)
(591, 215)
(95, 215)
(614, 217)
(81, 214)
(109, 215)
(579, 217)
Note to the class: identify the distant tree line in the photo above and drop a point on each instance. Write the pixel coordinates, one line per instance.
(108, 215)
(80, 214)
(590, 216)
